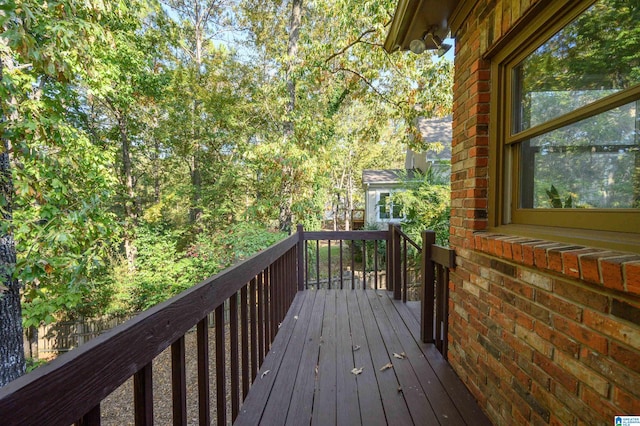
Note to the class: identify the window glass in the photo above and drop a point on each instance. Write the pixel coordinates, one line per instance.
(384, 212)
(387, 208)
(598, 54)
(594, 163)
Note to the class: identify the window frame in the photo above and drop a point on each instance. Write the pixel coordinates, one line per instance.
(619, 228)
(389, 193)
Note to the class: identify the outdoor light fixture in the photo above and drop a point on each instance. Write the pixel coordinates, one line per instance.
(418, 46)
(429, 41)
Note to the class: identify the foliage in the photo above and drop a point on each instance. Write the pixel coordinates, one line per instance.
(165, 269)
(556, 201)
(427, 205)
(149, 142)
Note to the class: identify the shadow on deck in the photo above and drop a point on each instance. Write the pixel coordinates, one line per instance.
(307, 376)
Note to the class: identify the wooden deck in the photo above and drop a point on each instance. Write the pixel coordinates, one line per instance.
(307, 376)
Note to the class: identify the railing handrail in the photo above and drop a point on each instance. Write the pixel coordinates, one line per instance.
(345, 235)
(110, 359)
(408, 238)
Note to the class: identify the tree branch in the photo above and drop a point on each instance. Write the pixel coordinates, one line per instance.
(358, 40)
(368, 83)
(348, 46)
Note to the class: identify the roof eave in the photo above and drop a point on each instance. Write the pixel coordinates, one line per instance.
(413, 19)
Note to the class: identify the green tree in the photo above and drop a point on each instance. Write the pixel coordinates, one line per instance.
(57, 175)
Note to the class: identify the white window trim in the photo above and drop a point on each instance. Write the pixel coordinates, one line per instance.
(379, 192)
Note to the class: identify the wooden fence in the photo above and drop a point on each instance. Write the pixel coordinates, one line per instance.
(48, 341)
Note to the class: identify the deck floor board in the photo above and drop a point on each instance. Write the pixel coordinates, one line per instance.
(328, 333)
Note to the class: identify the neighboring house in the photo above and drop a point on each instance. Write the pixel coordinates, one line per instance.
(544, 319)
(380, 184)
(436, 131)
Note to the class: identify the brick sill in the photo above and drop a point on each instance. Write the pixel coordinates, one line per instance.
(607, 268)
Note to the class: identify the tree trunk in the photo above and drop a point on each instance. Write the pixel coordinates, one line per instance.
(130, 207)
(12, 362)
(285, 216)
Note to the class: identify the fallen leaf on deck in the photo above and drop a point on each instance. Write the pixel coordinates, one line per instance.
(357, 371)
(356, 347)
(399, 389)
(386, 366)
(265, 373)
(401, 355)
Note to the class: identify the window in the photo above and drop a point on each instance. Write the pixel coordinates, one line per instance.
(387, 209)
(568, 140)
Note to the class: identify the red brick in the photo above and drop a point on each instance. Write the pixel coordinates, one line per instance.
(559, 306)
(540, 253)
(554, 257)
(571, 261)
(620, 330)
(626, 356)
(581, 295)
(590, 266)
(582, 334)
(625, 402)
(614, 372)
(556, 373)
(519, 288)
(632, 277)
(611, 269)
(558, 340)
(516, 249)
(599, 404)
(521, 319)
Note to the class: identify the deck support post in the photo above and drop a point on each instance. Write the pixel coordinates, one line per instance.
(428, 292)
(396, 262)
(301, 264)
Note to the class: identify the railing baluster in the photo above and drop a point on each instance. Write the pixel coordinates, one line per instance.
(375, 264)
(341, 268)
(353, 266)
(254, 328)
(179, 382)
(257, 327)
(267, 311)
(143, 395)
(396, 265)
(445, 310)
(364, 265)
(204, 395)
(91, 418)
(317, 264)
(329, 263)
(306, 265)
(273, 304)
(299, 259)
(244, 328)
(428, 294)
(221, 394)
(233, 334)
(405, 268)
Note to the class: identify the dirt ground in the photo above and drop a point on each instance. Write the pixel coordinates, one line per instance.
(117, 409)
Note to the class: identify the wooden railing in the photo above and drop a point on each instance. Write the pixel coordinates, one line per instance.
(436, 263)
(257, 294)
(385, 260)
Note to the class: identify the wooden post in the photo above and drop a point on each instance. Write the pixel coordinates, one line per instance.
(428, 295)
(143, 395)
(397, 263)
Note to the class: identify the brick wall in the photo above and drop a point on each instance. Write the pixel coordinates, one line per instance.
(541, 332)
